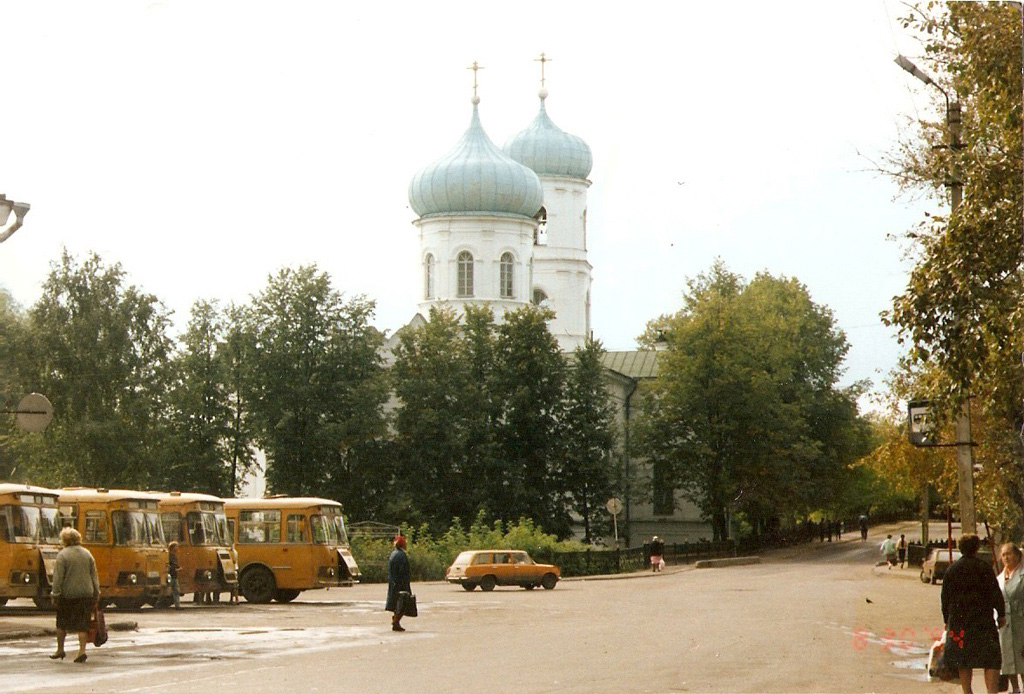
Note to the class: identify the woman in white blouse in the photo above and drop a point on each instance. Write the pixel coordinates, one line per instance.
(1011, 636)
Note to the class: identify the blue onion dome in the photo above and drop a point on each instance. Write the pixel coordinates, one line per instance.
(476, 178)
(549, 150)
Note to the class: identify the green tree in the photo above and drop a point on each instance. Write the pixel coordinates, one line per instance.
(745, 414)
(317, 386)
(99, 351)
(199, 408)
(431, 377)
(13, 348)
(964, 303)
(528, 380)
(588, 436)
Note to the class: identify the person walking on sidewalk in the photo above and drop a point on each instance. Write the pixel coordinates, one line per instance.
(889, 550)
(970, 599)
(76, 591)
(172, 572)
(399, 579)
(657, 554)
(901, 551)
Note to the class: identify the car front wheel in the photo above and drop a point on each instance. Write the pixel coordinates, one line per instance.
(468, 586)
(549, 581)
(488, 583)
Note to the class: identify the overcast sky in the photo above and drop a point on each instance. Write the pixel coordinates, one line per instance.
(204, 145)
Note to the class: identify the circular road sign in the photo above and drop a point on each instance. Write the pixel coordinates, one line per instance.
(614, 506)
(34, 412)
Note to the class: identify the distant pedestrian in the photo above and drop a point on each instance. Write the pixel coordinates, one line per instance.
(172, 572)
(821, 530)
(863, 520)
(839, 530)
(76, 591)
(1011, 635)
(888, 548)
(399, 580)
(828, 529)
(970, 597)
(657, 554)
(901, 551)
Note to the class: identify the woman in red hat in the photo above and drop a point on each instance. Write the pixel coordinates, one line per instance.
(398, 581)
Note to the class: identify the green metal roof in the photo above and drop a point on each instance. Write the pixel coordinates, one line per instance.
(634, 364)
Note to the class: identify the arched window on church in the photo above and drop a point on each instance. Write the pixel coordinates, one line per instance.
(540, 236)
(506, 276)
(539, 296)
(465, 263)
(428, 276)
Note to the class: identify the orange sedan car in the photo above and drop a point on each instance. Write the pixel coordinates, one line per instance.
(501, 567)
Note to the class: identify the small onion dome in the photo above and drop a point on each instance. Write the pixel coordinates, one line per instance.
(549, 150)
(475, 177)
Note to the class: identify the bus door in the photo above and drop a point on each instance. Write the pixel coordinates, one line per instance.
(298, 550)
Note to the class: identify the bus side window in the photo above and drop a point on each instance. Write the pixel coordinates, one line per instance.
(5, 533)
(296, 528)
(95, 526)
(68, 516)
(231, 531)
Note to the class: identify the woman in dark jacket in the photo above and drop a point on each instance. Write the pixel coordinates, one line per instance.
(970, 596)
(399, 580)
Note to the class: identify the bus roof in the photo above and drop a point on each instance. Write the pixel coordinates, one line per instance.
(101, 494)
(187, 497)
(279, 502)
(13, 488)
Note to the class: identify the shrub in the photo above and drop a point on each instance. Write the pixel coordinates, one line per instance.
(429, 557)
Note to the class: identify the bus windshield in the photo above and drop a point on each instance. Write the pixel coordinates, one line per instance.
(140, 528)
(29, 524)
(207, 528)
(332, 516)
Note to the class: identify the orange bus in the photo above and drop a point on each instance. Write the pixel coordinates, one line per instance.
(29, 542)
(198, 524)
(122, 530)
(286, 545)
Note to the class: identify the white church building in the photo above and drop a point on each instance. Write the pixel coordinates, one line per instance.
(507, 227)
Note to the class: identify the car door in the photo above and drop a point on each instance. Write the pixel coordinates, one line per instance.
(525, 571)
(503, 568)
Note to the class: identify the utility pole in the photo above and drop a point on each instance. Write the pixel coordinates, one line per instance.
(964, 457)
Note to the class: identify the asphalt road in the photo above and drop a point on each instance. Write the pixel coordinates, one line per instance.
(817, 618)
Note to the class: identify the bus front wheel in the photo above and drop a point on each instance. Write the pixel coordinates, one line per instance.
(258, 585)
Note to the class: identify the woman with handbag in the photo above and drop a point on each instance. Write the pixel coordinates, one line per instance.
(76, 591)
(1011, 636)
(399, 578)
(970, 597)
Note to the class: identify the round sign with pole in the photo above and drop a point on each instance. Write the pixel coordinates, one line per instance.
(614, 507)
(34, 413)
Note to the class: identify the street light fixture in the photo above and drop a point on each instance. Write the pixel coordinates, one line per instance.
(964, 462)
(20, 209)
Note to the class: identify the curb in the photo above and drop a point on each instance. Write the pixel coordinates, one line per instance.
(728, 561)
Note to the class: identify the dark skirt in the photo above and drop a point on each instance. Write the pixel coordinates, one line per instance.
(973, 644)
(73, 614)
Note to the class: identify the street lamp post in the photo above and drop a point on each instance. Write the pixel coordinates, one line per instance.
(20, 209)
(964, 461)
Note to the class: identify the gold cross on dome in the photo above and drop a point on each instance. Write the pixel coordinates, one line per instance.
(475, 67)
(542, 59)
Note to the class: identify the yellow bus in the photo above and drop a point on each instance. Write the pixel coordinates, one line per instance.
(29, 542)
(198, 524)
(286, 545)
(122, 530)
